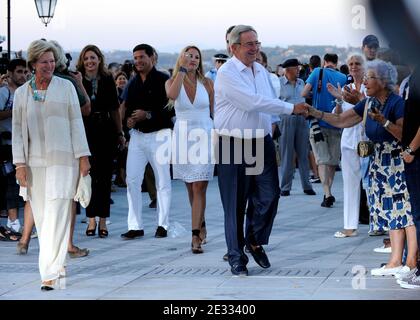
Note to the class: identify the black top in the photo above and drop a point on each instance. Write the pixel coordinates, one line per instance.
(106, 98)
(393, 110)
(149, 95)
(412, 111)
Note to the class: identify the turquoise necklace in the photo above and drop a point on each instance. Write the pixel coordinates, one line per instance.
(37, 94)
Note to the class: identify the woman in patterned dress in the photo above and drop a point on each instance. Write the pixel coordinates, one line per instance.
(387, 193)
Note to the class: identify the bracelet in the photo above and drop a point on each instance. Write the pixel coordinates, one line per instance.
(22, 166)
(410, 151)
(338, 102)
(182, 69)
(386, 124)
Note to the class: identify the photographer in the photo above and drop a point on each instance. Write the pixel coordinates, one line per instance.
(9, 190)
(324, 138)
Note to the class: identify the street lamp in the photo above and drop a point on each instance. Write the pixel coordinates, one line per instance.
(45, 9)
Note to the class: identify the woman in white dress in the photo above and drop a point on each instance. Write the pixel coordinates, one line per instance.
(192, 97)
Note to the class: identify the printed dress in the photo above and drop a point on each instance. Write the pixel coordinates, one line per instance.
(388, 196)
(192, 147)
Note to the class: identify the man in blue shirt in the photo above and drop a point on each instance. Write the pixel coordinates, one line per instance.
(325, 139)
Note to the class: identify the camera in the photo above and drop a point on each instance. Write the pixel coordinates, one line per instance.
(316, 130)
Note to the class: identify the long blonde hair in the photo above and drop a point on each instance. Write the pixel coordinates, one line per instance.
(199, 72)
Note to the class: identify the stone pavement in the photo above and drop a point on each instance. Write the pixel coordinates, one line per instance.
(307, 261)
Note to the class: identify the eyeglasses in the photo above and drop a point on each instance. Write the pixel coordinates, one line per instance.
(366, 78)
(251, 44)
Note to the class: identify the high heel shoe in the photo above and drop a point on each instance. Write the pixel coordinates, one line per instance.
(22, 248)
(203, 233)
(91, 232)
(103, 233)
(196, 245)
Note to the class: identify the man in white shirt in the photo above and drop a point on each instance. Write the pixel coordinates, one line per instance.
(244, 107)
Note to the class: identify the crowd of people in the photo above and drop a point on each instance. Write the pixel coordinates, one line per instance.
(239, 121)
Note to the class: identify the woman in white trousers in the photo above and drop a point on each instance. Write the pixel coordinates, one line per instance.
(50, 152)
(350, 160)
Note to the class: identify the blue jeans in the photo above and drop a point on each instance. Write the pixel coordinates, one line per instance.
(412, 175)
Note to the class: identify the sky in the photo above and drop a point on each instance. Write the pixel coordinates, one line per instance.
(170, 25)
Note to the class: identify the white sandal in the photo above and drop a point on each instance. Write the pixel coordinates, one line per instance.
(340, 234)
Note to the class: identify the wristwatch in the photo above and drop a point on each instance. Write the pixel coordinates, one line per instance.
(409, 151)
(148, 115)
(386, 124)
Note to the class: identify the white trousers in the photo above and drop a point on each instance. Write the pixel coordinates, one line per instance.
(352, 174)
(144, 148)
(52, 221)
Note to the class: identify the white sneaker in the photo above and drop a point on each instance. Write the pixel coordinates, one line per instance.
(404, 271)
(405, 274)
(385, 271)
(413, 283)
(14, 225)
(383, 249)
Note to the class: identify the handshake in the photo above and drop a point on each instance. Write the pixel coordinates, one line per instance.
(302, 109)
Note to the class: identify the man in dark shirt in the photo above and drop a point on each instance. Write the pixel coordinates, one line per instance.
(150, 122)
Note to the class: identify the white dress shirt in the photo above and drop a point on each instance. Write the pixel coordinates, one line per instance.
(245, 100)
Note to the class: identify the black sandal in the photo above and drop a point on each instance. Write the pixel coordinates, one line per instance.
(8, 235)
(91, 232)
(196, 249)
(103, 233)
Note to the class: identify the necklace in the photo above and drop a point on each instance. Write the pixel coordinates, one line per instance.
(94, 83)
(38, 95)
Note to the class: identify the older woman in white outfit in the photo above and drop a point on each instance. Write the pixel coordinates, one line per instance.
(192, 94)
(50, 152)
(350, 160)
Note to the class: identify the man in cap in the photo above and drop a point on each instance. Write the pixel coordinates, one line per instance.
(218, 59)
(295, 131)
(370, 47)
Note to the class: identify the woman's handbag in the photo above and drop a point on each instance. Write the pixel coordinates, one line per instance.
(365, 147)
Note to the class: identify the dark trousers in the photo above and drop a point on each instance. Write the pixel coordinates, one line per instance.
(102, 145)
(237, 188)
(412, 175)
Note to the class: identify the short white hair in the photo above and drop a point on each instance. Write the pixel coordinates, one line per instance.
(385, 71)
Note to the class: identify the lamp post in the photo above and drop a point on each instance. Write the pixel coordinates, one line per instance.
(45, 10)
(8, 30)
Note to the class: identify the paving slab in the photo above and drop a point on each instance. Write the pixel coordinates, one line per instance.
(308, 263)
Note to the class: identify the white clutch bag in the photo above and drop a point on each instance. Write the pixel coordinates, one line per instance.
(84, 191)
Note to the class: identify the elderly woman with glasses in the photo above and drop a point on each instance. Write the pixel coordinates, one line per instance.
(387, 193)
(50, 152)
